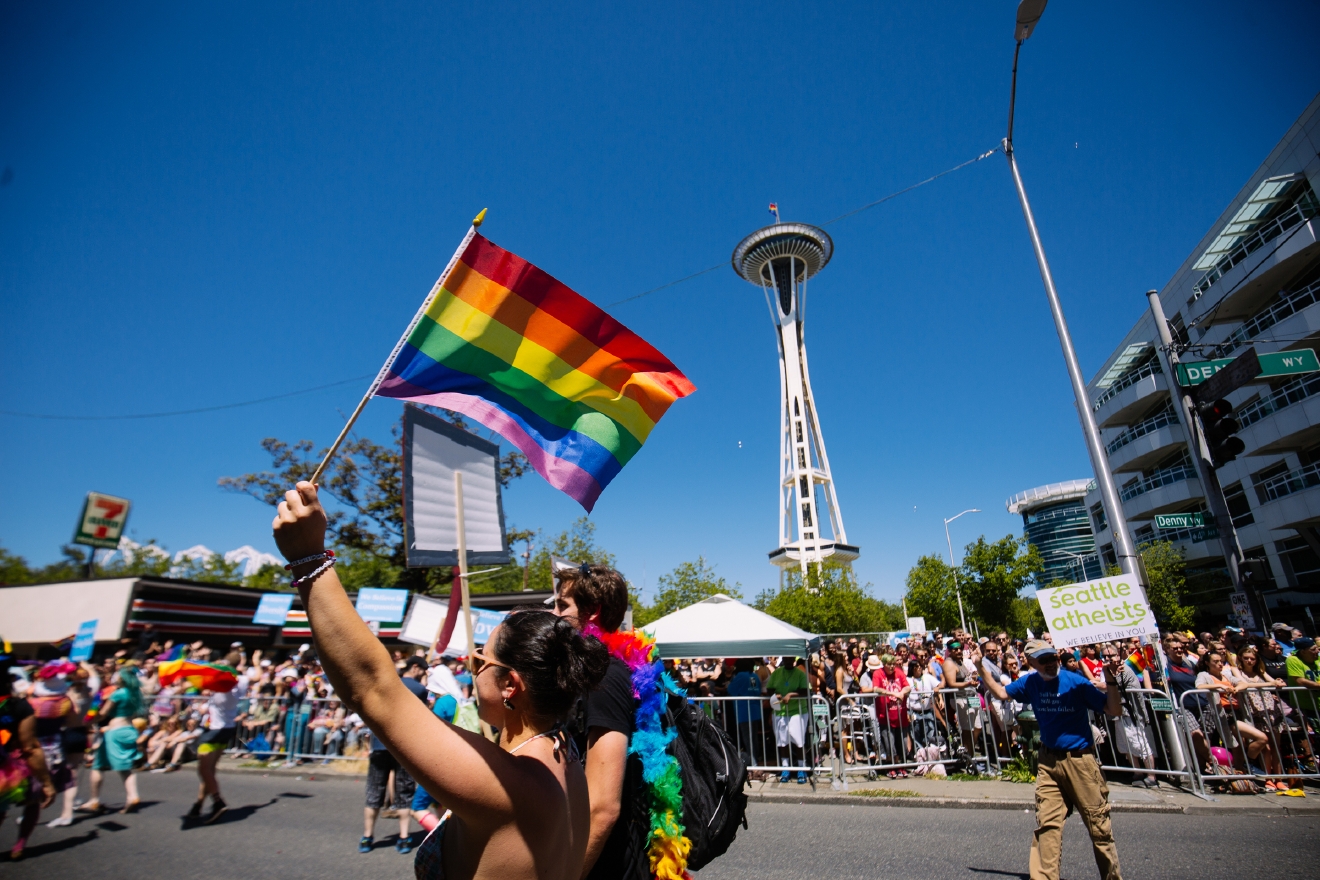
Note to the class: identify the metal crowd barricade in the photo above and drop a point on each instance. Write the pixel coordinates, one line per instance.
(275, 728)
(1147, 733)
(880, 733)
(1275, 735)
(755, 730)
(965, 718)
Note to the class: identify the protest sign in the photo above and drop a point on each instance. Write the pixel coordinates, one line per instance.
(426, 615)
(273, 610)
(381, 605)
(83, 642)
(1096, 611)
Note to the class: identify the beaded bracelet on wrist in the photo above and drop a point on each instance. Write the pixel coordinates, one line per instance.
(324, 554)
(315, 573)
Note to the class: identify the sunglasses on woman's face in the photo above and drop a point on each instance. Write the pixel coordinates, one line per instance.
(480, 663)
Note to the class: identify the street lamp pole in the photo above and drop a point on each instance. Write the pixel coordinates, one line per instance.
(1078, 559)
(1029, 13)
(961, 617)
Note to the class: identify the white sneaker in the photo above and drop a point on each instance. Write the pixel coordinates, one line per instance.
(59, 823)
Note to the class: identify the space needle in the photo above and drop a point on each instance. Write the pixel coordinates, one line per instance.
(780, 259)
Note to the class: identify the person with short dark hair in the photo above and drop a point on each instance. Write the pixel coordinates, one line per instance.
(1068, 777)
(1283, 634)
(381, 764)
(517, 809)
(595, 595)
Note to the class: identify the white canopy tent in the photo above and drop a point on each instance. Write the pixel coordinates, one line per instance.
(724, 627)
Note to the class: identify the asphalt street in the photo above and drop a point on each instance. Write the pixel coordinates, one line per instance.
(281, 827)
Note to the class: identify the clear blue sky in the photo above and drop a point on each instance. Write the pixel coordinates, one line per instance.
(209, 205)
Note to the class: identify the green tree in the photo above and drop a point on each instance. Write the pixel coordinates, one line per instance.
(1025, 614)
(829, 601)
(14, 569)
(362, 489)
(687, 584)
(994, 575)
(140, 560)
(577, 543)
(1166, 569)
(931, 594)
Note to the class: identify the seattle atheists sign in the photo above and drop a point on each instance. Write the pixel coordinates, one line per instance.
(780, 259)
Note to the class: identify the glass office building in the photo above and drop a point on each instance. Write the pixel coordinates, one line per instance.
(1058, 525)
(1253, 281)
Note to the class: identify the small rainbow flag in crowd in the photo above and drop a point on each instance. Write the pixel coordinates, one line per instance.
(203, 676)
(774, 210)
(1142, 659)
(507, 345)
(172, 654)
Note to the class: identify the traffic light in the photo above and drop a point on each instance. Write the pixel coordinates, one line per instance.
(1255, 572)
(1219, 425)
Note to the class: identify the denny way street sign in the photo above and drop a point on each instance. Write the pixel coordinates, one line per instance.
(1179, 521)
(102, 521)
(1278, 363)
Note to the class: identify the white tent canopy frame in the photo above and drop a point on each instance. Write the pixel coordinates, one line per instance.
(724, 627)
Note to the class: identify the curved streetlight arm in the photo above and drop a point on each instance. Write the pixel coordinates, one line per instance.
(957, 589)
(1028, 15)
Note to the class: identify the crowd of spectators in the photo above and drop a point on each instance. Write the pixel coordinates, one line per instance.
(930, 708)
(287, 709)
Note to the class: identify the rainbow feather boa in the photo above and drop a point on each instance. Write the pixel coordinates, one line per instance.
(668, 850)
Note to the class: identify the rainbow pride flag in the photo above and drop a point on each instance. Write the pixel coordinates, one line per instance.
(509, 346)
(203, 676)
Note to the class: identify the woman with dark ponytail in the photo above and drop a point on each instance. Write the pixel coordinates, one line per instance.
(517, 809)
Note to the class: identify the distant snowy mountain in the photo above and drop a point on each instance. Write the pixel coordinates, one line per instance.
(252, 559)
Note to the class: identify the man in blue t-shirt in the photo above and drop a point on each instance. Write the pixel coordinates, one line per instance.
(1068, 777)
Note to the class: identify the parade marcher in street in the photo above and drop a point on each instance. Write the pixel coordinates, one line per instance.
(517, 809)
(383, 762)
(56, 716)
(1068, 777)
(593, 595)
(118, 750)
(221, 728)
(21, 759)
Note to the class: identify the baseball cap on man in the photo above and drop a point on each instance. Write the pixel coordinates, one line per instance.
(1038, 648)
(416, 661)
(1301, 643)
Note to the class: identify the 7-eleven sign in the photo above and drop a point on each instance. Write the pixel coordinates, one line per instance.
(103, 519)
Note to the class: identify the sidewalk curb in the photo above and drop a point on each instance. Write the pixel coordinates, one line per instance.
(305, 773)
(947, 803)
(1025, 805)
(317, 774)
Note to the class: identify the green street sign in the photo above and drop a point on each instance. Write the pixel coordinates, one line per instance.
(1179, 521)
(1279, 363)
(1286, 363)
(1196, 373)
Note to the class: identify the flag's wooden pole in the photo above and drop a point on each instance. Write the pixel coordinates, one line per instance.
(389, 361)
(462, 560)
(467, 598)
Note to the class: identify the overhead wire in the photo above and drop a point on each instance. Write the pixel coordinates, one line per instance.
(184, 412)
(685, 278)
(1210, 312)
(845, 215)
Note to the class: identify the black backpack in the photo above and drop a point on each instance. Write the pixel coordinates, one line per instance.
(714, 802)
(714, 775)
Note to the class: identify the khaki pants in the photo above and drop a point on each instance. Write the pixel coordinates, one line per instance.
(1063, 781)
